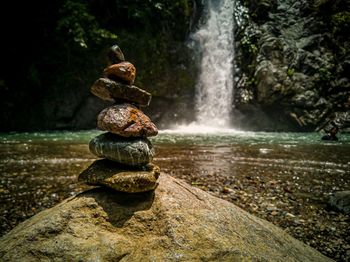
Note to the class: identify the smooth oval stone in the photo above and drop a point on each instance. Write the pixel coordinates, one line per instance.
(128, 151)
(115, 55)
(110, 90)
(120, 177)
(126, 120)
(124, 71)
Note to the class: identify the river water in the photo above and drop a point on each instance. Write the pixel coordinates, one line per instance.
(285, 178)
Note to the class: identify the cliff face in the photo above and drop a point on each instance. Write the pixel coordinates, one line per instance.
(293, 59)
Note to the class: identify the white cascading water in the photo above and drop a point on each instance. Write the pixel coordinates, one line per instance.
(215, 42)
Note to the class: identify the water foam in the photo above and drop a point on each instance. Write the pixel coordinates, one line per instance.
(215, 44)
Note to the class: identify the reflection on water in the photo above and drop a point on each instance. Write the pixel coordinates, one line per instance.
(40, 169)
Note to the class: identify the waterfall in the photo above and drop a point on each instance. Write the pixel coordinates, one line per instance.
(215, 43)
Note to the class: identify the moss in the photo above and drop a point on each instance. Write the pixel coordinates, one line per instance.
(341, 22)
(290, 72)
(248, 46)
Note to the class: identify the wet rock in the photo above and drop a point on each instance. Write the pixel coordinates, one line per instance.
(340, 201)
(128, 151)
(285, 65)
(124, 71)
(121, 178)
(110, 90)
(126, 120)
(176, 222)
(115, 55)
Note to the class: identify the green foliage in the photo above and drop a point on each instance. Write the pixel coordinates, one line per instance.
(62, 48)
(249, 47)
(290, 72)
(78, 25)
(250, 83)
(325, 76)
(341, 22)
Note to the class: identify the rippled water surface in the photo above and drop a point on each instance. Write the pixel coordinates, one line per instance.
(40, 169)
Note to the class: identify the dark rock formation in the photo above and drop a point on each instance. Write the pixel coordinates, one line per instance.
(290, 65)
(176, 222)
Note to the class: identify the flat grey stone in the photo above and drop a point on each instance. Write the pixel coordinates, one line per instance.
(128, 151)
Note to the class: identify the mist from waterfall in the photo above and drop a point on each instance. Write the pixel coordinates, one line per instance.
(215, 43)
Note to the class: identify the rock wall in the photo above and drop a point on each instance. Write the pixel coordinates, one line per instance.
(293, 63)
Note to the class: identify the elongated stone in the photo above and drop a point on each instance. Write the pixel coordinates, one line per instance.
(115, 55)
(126, 120)
(128, 151)
(110, 90)
(120, 177)
(124, 71)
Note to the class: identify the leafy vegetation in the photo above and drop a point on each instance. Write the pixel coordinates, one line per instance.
(57, 48)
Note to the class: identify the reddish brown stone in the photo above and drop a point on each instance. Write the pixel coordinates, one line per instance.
(126, 120)
(124, 71)
(110, 90)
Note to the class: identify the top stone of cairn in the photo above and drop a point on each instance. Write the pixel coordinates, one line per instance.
(115, 55)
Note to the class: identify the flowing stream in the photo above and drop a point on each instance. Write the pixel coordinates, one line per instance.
(215, 42)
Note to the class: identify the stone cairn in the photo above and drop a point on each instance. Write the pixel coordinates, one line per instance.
(127, 152)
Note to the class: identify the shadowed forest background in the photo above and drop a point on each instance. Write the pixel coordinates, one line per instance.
(292, 61)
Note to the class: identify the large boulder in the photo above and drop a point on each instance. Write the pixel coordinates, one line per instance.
(176, 222)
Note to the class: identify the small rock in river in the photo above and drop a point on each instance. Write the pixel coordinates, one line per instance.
(340, 201)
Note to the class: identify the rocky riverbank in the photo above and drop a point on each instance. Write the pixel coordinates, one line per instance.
(325, 229)
(176, 222)
(318, 225)
(288, 185)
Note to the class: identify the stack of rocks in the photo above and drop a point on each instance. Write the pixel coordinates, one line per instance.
(125, 148)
